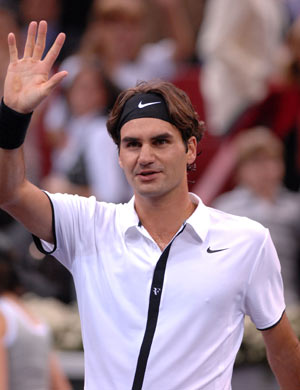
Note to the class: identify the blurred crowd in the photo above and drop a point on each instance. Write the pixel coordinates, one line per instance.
(239, 61)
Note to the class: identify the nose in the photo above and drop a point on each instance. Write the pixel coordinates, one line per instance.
(146, 155)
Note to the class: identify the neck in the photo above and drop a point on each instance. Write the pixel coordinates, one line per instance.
(162, 217)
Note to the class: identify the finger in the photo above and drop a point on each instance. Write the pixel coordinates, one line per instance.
(54, 81)
(55, 50)
(40, 42)
(12, 47)
(30, 40)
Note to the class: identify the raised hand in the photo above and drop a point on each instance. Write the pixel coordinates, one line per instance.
(27, 80)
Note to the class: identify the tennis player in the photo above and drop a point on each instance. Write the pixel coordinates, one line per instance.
(163, 282)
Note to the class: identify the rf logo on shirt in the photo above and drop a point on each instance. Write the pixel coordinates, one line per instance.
(156, 290)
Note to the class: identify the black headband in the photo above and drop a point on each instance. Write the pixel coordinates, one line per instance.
(144, 105)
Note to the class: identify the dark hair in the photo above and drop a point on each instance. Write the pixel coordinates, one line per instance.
(9, 277)
(181, 111)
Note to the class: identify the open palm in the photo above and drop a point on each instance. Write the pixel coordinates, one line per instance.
(27, 80)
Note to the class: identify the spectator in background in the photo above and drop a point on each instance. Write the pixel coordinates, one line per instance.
(236, 44)
(77, 135)
(280, 109)
(49, 10)
(260, 195)
(27, 361)
(116, 35)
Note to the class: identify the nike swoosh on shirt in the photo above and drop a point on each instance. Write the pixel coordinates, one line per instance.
(215, 250)
(141, 105)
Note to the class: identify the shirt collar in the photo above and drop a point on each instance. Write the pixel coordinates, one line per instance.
(198, 221)
(129, 218)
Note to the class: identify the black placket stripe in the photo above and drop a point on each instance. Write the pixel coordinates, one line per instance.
(153, 311)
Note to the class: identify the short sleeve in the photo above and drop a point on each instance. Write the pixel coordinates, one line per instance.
(264, 301)
(73, 222)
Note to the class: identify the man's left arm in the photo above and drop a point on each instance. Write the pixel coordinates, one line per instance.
(283, 352)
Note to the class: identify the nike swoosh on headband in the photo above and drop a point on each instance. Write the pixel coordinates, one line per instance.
(141, 105)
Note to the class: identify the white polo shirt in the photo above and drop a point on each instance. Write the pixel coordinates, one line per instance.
(220, 267)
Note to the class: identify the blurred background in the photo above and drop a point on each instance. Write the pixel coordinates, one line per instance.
(240, 64)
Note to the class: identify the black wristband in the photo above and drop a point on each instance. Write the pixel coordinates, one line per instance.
(13, 127)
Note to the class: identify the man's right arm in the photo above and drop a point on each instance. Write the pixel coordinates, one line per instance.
(27, 83)
(21, 199)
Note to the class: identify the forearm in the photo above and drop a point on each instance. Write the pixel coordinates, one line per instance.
(287, 369)
(285, 363)
(13, 128)
(12, 174)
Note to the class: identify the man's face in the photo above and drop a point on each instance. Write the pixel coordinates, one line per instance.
(154, 157)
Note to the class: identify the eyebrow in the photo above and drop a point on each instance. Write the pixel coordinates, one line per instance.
(129, 139)
(155, 138)
(162, 136)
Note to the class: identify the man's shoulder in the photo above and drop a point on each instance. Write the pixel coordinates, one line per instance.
(235, 224)
(89, 206)
(222, 224)
(243, 235)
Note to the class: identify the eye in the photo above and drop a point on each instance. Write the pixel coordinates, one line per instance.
(132, 144)
(161, 141)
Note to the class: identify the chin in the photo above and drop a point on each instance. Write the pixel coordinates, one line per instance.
(149, 192)
(152, 193)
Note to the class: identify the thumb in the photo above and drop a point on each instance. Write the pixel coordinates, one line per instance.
(54, 81)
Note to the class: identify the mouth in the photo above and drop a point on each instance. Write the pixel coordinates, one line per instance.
(147, 175)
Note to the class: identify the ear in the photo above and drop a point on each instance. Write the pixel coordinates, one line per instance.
(191, 150)
(120, 162)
